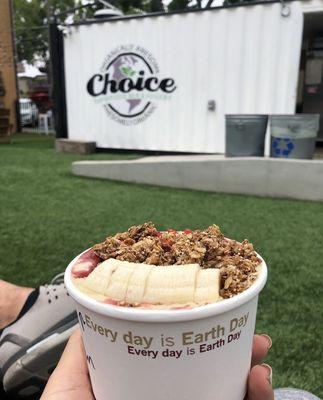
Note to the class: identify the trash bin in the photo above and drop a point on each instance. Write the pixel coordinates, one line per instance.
(245, 135)
(293, 136)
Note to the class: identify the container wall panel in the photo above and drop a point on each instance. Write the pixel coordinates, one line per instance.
(246, 59)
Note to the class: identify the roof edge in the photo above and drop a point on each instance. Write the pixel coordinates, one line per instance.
(165, 14)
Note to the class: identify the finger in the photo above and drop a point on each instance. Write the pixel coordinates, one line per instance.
(259, 383)
(261, 345)
(74, 357)
(70, 379)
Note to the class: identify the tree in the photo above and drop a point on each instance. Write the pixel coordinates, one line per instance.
(156, 6)
(31, 18)
(228, 2)
(177, 5)
(31, 26)
(139, 6)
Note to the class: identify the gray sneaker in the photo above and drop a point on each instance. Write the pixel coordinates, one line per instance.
(31, 346)
(293, 394)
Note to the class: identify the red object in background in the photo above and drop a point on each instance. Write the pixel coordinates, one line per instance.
(39, 96)
(39, 93)
(42, 100)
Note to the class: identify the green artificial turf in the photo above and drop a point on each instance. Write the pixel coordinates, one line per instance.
(47, 216)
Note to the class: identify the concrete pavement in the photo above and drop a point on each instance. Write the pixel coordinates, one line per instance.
(297, 179)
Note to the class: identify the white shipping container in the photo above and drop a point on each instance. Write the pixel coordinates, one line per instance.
(146, 83)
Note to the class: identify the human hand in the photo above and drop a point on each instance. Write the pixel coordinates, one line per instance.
(70, 380)
(259, 382)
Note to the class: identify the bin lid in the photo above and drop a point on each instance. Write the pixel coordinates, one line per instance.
(246, 116)
(242, 119)
(296, 126)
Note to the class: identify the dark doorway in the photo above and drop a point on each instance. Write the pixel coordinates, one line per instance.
(310, 90)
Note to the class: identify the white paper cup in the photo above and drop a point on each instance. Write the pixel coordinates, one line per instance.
(202, 353)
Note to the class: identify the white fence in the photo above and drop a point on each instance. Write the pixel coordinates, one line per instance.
(43, 123)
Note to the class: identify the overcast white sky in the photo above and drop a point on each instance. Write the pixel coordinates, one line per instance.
(215, 2)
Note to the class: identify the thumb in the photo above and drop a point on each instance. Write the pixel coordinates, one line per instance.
(70, 379)
(259, 383)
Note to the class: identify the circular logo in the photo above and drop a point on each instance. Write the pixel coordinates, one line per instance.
(283, 147)
(128, 70)
(129, 85)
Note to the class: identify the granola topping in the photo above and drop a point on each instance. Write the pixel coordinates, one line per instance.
(209, 248)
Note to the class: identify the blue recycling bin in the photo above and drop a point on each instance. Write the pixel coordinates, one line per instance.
(294, 136)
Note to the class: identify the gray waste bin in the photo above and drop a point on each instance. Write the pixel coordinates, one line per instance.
(245, 135)
(294, 136)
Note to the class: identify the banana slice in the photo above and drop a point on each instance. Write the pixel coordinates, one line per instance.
(171, 284)
(98, 280)
(137, 284)
(119, 279)
(207, 288)
(142, 284)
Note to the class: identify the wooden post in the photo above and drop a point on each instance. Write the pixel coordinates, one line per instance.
(8, 73)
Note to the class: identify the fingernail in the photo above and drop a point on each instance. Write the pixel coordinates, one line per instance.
(269, 371)
(270, 342)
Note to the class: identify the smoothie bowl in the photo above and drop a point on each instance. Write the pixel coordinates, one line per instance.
(168, 315)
